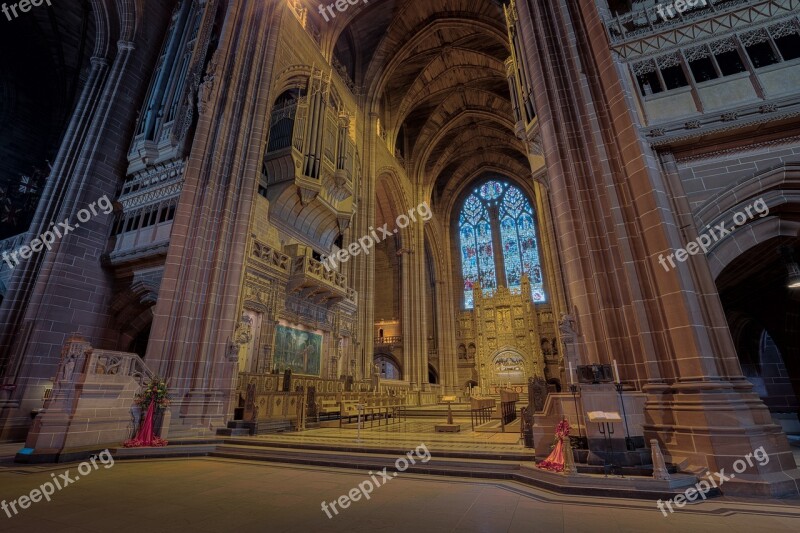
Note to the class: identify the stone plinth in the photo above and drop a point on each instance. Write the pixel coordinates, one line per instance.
(710, 426)
(90, 408)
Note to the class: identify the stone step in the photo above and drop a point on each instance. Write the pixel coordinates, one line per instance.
(360, 461)
(500, 453)
(525, 472)
(446, 462)
(239, 424)
(234, 432)
(273, 426)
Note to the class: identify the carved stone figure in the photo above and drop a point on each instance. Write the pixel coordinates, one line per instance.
(567, 325)
(233, 352)
(244, 331)
(69, 367)
(206, 88)
(546, 347)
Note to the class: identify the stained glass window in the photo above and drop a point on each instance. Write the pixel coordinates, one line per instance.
(520, 254)
(469, 261)
(491, 190)
(486, 256)
(477, 253)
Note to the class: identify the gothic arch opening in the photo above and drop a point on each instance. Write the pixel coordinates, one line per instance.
(764, 315)
(389, 366)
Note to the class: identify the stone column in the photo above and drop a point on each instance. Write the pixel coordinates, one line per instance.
(190, 337)
(362, 269)
(617, 212)
(66, 289)
(414, 310)
(446, 340)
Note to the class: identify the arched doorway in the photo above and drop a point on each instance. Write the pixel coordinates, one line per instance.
(389, 366)
(433, 375)
(763, 314)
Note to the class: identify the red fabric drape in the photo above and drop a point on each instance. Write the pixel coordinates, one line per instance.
(555, 461)
(145, 437)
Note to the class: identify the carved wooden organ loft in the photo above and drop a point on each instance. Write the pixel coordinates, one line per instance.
(311, 163)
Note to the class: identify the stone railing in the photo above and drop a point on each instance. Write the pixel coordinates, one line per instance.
(394, 339)
(330, 284)
(108, 363)
(301, 13)
(271, 257)
(645, 19)
(341, 70)
(311, 267)
(352, 295)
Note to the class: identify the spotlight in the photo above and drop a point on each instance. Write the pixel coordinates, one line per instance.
(793, 281)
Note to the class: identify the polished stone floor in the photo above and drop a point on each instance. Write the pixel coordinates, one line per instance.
(220, 495)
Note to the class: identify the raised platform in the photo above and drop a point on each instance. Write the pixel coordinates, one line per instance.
(486, 462)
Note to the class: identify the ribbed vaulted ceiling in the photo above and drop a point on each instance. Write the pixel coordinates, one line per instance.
(434, 72)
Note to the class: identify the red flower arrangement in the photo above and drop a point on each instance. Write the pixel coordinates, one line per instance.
(154, 396)
(155, 391)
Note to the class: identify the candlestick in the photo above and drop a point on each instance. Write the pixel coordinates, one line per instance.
(570, 373)
(616, 372)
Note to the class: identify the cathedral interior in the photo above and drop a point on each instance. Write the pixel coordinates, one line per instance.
(537, 258)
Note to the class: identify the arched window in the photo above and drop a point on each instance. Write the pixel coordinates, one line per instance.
(499, 210)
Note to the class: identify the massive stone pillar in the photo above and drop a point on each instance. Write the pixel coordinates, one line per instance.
(65, 289)
(192, 337)
(614, 212)
(362, 267)
(446, 339)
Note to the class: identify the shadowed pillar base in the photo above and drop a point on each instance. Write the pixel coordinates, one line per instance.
(722, 425)
(200, 413)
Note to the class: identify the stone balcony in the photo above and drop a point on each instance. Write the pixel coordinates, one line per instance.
(394, 340)
(265, 255)
(648, 28)
(316, 283)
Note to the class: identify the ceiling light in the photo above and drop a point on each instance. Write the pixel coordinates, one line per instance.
(793, 281)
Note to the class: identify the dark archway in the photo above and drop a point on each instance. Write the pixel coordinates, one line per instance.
(139, 343)
(764, 316)
(433, 375)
